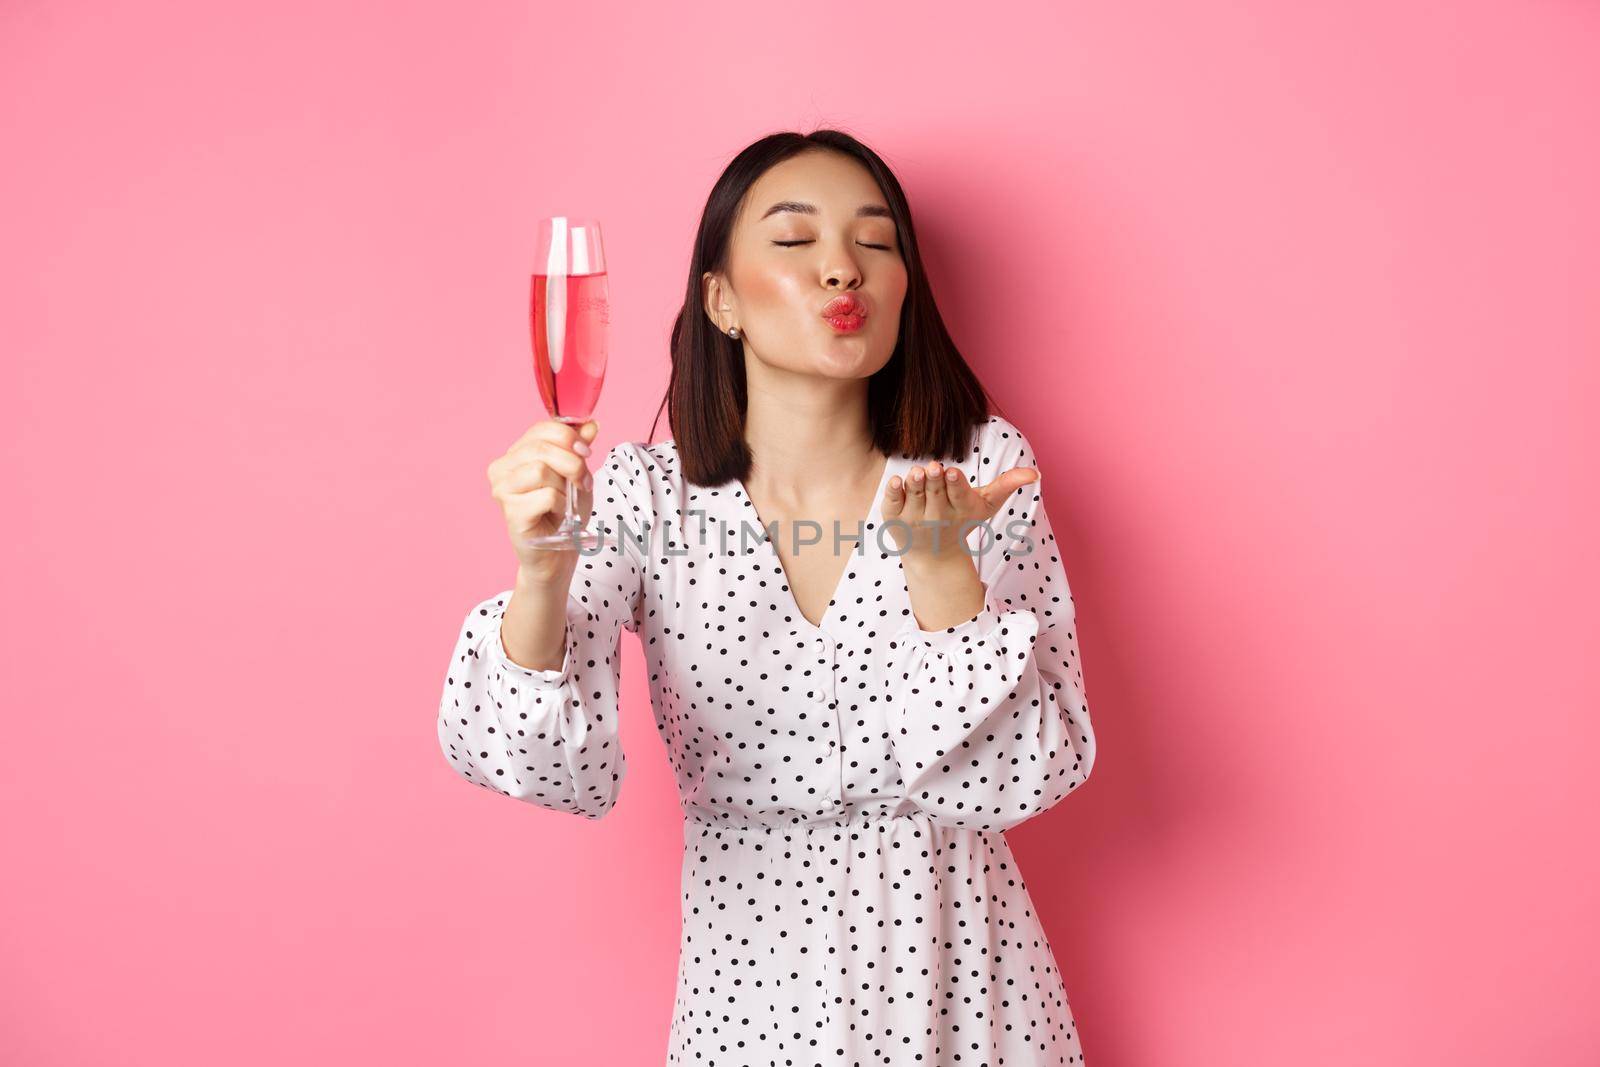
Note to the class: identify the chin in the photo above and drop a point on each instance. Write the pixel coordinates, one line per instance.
(849, 361)
(842, 355)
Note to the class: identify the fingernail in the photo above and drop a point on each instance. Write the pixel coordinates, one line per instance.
(580, 448)
(951, 475)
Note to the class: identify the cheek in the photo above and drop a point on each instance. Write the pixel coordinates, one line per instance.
(895, 288)
(774, 287)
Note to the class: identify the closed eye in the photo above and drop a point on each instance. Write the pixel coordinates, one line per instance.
(863, 244)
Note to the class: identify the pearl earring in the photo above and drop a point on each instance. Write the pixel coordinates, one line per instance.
(734, 333)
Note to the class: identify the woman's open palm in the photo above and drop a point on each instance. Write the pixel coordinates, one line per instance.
(937, 507)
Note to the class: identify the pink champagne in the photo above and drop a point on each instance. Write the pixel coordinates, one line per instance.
(569, 322)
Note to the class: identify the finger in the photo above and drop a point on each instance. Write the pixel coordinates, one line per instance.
(524, 510)
(539, 472)
(959, 490)
(894, 498)
(938, 501)
(566, 463)
(565, 457)
(916, 492)
(530, 469)
(562, 433)
(521, 479)
(1007, 483)
(556, 432)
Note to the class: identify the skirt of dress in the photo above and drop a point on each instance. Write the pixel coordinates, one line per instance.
(862, 940)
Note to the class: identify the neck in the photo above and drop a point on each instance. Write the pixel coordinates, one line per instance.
(808, 435)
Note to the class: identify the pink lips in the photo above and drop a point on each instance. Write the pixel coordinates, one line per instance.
(845, 312)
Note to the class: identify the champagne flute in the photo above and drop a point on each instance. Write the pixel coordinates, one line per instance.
(570, 316)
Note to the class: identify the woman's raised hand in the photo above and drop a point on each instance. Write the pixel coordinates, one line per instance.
(934, 499)
(530, 483)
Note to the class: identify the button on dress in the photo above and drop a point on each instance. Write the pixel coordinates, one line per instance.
(848, 894)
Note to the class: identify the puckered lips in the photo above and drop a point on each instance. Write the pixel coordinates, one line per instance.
(845, 312)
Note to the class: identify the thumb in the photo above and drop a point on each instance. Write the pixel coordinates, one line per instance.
(1007, 483)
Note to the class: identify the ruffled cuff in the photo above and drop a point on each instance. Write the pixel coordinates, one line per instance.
(494, 652)
(970, 634)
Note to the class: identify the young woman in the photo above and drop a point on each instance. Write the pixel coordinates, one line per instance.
(853, 719)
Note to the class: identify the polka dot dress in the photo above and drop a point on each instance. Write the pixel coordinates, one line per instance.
(849, 896)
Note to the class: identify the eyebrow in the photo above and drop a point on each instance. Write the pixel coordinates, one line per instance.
(862, 212)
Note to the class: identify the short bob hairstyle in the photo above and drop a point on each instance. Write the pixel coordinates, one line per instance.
(924, 402)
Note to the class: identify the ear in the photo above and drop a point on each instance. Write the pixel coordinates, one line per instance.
(716, 302)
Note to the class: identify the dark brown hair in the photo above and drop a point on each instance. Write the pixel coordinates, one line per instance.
(925, 401)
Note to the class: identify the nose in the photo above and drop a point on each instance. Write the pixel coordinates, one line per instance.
(842, 272)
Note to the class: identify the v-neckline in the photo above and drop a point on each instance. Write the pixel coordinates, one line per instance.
(874, 513)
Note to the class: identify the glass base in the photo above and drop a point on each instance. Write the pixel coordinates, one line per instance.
(567, 539)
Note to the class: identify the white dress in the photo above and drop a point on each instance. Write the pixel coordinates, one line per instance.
(849, 897)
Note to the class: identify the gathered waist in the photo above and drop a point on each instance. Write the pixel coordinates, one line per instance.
(889, 813)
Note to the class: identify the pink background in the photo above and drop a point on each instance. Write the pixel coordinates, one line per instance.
(1298, 305)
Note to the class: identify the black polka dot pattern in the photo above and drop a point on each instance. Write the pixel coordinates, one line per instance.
(848, 894)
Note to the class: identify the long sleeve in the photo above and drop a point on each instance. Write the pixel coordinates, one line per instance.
(990, 725)
(551, 738)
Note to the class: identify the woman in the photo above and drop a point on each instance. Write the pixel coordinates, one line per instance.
(854, 719)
